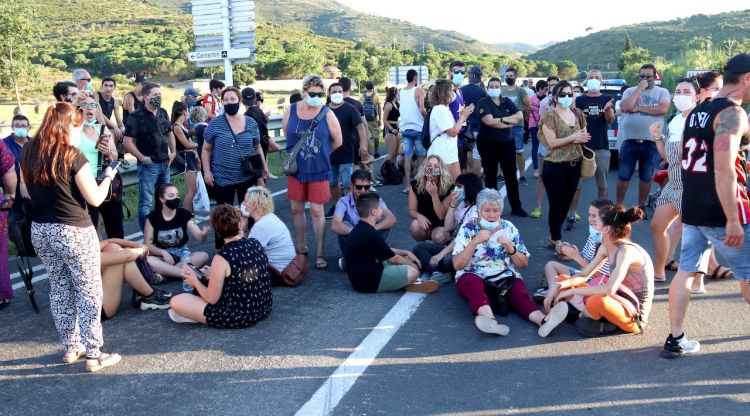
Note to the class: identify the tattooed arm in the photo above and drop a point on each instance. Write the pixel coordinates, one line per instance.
(729, 126)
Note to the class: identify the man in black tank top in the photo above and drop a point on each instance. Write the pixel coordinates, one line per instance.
(131, 102)
(108, 106)
(715, 208)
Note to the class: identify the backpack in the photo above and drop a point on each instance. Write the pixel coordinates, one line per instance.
(390, 173)
(371, 113)
(426, 139)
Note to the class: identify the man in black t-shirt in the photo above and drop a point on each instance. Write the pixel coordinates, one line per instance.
(473, 92)
(148, 137)
(354, 136)
(600, 113)
(371, 265)
(253, 110)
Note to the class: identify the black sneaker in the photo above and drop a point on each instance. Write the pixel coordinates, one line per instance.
(376, 155)
(158, 300)
(330, 212)
(592, 328)
(519, 213)
(522, 181)
(570, 224)
(676, 349)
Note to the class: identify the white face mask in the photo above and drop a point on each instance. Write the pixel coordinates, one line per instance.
(683, 102)
(243, 210)
(337, 98)
(594, 85)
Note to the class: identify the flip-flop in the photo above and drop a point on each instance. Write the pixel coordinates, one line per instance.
(321, 263)
(727, 274)
(71, 358)
(102, 361)
(672, 266)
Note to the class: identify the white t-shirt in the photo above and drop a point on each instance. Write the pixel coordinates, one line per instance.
(445, 146)
(273, 235)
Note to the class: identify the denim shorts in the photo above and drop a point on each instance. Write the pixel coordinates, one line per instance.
(412, 141)
(644, 153)
(696, 250)
(341, 174)
(517, 133)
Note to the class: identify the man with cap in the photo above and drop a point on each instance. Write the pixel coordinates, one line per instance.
(190, 97)
(133, 100)
(715, 208)
(373, 114)
(253, 110)
(473, 92)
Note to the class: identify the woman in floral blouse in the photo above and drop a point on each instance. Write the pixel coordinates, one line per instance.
(489, 246)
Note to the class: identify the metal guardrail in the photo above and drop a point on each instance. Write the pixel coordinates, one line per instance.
(130, 174)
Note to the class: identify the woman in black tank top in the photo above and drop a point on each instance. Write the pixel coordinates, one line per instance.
(136, 105)
(390, 126)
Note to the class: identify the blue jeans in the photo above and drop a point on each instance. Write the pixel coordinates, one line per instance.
(534, 134)
(341, 174)
(412, 141)
(517, 133)
(149, 177)
(643, 153)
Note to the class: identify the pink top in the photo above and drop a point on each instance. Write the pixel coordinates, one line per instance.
(534, 114)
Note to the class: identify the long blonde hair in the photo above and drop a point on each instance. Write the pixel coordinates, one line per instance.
(445, 181)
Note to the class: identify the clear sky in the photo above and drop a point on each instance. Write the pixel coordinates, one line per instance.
(494, 21)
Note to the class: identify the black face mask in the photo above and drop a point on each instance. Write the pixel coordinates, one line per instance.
(172, 203)
(232, 109)
(510, 81)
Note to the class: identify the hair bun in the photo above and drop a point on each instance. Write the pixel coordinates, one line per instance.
(634, 214)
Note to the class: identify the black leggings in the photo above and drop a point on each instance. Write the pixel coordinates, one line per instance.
(111, 212)
(492, 153)
(224, 194)
(425, 251)
(560, 181)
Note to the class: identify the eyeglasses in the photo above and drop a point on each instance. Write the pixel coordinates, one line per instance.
(459, 71)
(569, 94)
(316, 94)
(362, 187)
(85, 79)
(87, 106)
(21, 127)
(646, 76)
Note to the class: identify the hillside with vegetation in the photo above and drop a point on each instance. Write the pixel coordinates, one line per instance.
(667, 39)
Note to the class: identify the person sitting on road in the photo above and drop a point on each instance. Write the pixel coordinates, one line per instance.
(269, 230)
(429, 199)
(118, 263)
(345, 216)
(238, 294)
(624, 301)
(583, 257)
(437, 260)
(166, 234)
(373, 266)
(487, 247)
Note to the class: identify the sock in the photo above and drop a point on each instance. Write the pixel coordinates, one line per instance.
(678, 339)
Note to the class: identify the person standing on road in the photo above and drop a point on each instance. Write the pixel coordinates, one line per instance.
(457, 74)
(373, 110)
(9, 184)
(444, 126)
(109, 106)
(563, 133)
(489, 246)
(643, 106)
(18, 139)
(534, 119)
(496, 144)
(253, 111)
(520, 98)
(148, 137)
(473, 93)
(186, 161)
(59, 182)
(311, 182)
(212, 101)
(710, 83)
(715, 208)
(391, 114)
(411, 100)
(600, 113)
(133, 100)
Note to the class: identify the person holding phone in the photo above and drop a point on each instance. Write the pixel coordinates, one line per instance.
(97, 144)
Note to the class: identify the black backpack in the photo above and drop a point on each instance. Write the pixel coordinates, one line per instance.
(371, 113)
(426, 139)
(390, 173)
(19, 232)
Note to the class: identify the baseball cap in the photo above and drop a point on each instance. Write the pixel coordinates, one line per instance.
(140, 77)
(191, 91)
(248, 96)
(475, 73)
(738, 64)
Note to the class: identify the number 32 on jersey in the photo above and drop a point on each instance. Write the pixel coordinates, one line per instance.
(694, 156)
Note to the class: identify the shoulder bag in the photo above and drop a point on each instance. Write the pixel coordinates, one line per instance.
(295, 271)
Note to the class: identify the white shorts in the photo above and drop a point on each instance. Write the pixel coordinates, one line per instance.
(475, 154)
(446, 147)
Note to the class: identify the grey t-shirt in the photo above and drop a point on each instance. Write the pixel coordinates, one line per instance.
(635, 126)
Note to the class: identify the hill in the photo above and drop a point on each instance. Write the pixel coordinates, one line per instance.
(667, 39)
(522, 48)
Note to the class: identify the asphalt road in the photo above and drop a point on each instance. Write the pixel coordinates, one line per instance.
(390, 354)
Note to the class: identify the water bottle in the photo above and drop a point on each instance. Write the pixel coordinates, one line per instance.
(185, 260)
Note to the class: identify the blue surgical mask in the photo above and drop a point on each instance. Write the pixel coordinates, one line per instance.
(20, 132)
(565, 102)
(88, 86)
(494, 92)
(460, 196)
(458, 79)
(91, 123)
(594, 235)
(192, 103)
(594, 85)
(489, 225)
(314, 101)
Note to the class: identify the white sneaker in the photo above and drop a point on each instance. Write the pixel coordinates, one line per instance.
(179, 318)
(272, 176)
(555, 317)
(490, 326)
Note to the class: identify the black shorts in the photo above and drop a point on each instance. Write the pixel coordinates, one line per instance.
(185, 161)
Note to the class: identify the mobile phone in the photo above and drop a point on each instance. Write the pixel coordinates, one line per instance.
(113, 165)
(197, 272)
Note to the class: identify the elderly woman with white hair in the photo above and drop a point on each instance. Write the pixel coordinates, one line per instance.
(487, 254)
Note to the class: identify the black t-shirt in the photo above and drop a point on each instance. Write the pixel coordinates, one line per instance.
(199, 130)
(150, 133)
(596, 122)
(358, 105)
(424, 204)
(61, 203)
(107, 106)
(505, 109)
(257, 114)
(364, 255)
(349, 119)
(472, 94)
(172, 233)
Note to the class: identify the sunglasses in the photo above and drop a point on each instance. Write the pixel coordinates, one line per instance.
(459, 71)
(645, 76)
(316, 94)
(87, 106)
(361, 187)
(85, 79)
(569, 94)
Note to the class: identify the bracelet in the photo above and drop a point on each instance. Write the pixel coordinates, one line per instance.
(452, 206)
(515, 250)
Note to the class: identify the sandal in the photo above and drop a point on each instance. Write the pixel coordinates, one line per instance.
(4, 303)
(727, 274)
(554, 318)
(102, 361)
(672, 266)
(303, 252)
(321, 263)
(73, 357)
(660, 278)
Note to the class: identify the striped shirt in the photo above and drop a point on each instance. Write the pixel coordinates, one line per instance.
(589, 252)
(225, 158)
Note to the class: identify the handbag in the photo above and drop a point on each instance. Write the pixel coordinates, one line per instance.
(19, 226)
(201, 202)
(496, 287)
(295, 271)
(290, 164)
(588, 162)
(251, 165)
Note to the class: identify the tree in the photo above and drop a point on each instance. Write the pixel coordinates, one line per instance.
(628, 47)
(17, 34)
(567, 69)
